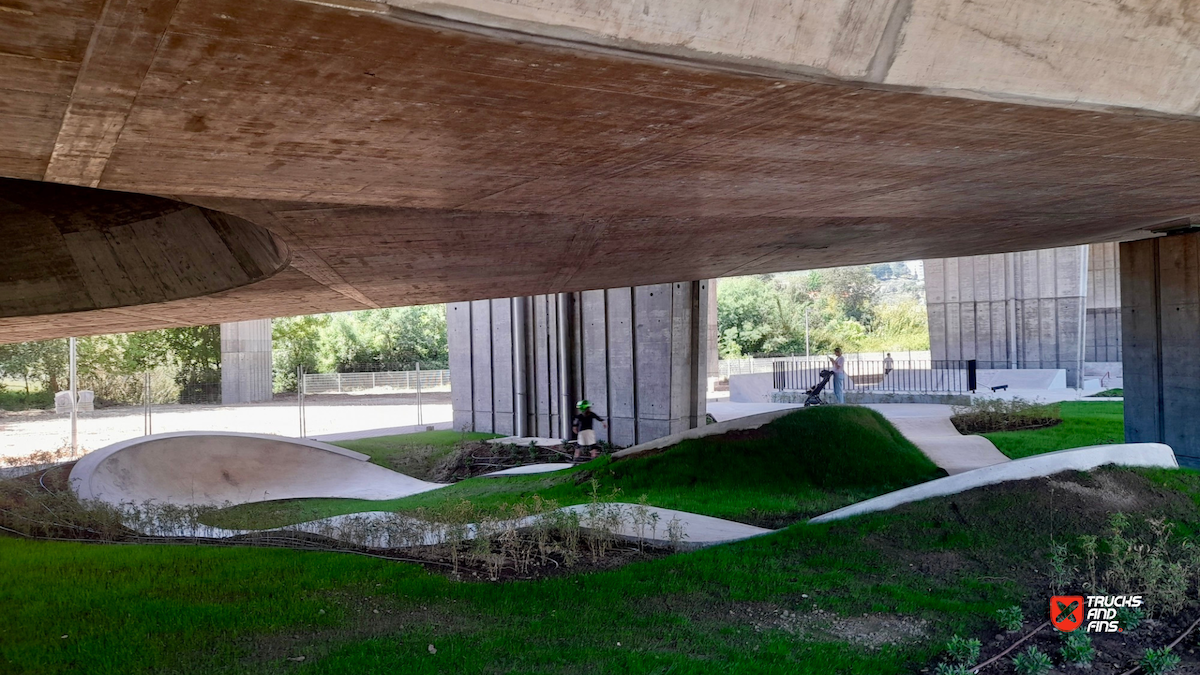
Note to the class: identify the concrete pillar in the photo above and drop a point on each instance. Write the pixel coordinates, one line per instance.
(638, 354)
(1160, 324)
(714, 366)
(1103, 331)
(246, 361)
(1010, 310)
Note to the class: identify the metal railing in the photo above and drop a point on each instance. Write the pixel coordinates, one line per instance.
(403, 380)
(881, 376)
(746, 366)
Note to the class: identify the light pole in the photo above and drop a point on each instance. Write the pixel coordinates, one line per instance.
(806, 308)
(74, 404)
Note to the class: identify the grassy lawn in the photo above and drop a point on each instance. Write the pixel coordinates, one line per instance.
(1084, 423)
(939, 567)
(13, 399)
(1109, 393)
(798, 466)
(413, 454)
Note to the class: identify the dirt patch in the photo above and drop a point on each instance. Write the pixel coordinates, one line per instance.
(872, 631)
(477, 458)
(1115, 652)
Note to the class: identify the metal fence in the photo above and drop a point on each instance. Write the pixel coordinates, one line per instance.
(748, 366)
(925, 376)
(404, 380)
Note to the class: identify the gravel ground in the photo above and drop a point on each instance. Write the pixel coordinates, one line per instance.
(30, 431)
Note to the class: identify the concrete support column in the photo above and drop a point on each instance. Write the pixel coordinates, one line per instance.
(1103, 332)
(246, 361)
(638, 354)
(1160, 325)
(1010, 310)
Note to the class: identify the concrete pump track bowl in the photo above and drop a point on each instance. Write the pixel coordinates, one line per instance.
(228, 469)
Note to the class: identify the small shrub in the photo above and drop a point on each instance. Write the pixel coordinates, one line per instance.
(985, 415)
(1158, 661)
(1032, 661)
(962, 651)
(1077, 648)
(1010, 618)
(951, 669)
(1129, 618)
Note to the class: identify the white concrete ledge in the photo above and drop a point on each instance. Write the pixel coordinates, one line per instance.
(1076, 459)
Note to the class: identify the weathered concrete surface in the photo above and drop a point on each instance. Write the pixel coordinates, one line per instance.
(398, 158)
(217, 468)
(1076, 459)
(1013, 310)
(246, 362)
(638, 354)
(1102, 335)
(1160, 321)
(1073, 52)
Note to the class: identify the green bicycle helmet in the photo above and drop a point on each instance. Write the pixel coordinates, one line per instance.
(584, 404)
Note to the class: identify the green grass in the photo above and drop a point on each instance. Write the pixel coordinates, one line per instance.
(1084, 423)
(1109, 393)
(798, 466)
(12, 399)
(412, 454)
(950, 562)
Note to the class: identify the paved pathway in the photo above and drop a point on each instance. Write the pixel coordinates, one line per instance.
(928, 427)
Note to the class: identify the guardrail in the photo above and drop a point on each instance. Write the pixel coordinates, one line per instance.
(395, 380)
(882, 376)
(765, 364)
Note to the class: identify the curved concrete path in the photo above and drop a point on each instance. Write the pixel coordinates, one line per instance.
(928, 427)
(1048, 464)
(212, 468)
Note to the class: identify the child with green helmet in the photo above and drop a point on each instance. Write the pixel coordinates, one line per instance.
(582, 426)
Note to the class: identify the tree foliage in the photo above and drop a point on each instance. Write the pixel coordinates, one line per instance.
(766, 314)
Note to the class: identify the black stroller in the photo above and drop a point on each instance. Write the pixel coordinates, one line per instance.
(814, 393)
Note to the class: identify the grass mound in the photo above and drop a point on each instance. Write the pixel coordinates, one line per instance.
(824, 447)
(809, 600)
(417, 455)
(796, 467)
(1084, 423)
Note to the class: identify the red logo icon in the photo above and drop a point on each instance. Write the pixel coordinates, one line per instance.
(1066, 612)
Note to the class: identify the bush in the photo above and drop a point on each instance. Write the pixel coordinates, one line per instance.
(1032, 661)
(1010, 618)
(1129, 618)
(951, 669)
(1159, 661)
(1077, 648)
(986, 415)
(962, 651)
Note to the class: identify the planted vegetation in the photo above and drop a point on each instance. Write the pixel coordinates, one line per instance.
(798, 466)
(987, 415)
(1084, 423)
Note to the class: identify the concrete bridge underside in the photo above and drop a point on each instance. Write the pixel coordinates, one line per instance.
(348, 155)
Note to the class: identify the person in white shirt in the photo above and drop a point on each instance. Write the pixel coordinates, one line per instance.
(888, 363)
(839, 375)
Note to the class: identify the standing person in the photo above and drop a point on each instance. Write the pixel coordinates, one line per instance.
(887, 364)
(839, 375)
(582, 425)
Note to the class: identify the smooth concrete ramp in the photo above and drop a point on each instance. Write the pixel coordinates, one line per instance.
(218, 468)
(1076, 459)
(929, 428)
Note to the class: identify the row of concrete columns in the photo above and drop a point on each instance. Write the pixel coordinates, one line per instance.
(639, 354)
